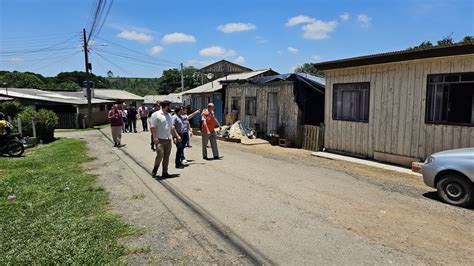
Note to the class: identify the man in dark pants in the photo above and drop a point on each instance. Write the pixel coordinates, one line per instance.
(182, 130)
(143, 112)
(164, 134)
(132, 119)
(156, 107)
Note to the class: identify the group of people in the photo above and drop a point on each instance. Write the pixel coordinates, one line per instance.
(167, 129)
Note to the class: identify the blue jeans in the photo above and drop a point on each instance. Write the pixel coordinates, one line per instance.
(180, 149)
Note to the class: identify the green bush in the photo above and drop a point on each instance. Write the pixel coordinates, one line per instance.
(45, 122)
(11, 108)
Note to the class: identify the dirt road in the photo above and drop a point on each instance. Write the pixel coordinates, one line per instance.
(263, 204)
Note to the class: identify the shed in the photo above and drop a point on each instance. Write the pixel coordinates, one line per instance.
(70, 106)
(119, 96)
(280, 104)
(223, 68)
(176, 99)
(214, 92)
(401, 106)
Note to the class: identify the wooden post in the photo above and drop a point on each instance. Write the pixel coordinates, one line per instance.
(18, 121)
(83, 122)
(33, 126)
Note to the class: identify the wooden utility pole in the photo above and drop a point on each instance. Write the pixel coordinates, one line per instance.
(88, 86)
(182, 77)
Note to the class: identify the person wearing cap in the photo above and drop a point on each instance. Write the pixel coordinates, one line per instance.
(208, 120)
(164, 134)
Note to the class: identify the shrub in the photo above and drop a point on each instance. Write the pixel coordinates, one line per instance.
(11, 108)
(45, 122)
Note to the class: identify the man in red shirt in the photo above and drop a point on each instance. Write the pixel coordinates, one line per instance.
(116, 122)
(208, 132)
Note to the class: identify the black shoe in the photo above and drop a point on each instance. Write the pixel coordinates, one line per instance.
(205, 158)
(121, 145)
(153, 172)
(165, 175)
(181, 166)
(115, 144)
(217, 158)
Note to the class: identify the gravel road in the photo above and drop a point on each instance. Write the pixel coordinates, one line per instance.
(271, 205)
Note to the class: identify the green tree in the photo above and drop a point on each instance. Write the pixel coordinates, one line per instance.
(170, 81)
(468, 40)
(448, 40)
(79, 77)
(423, 45)
(309, 68)
(21, 80)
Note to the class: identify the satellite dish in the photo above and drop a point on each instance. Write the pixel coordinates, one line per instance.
(210, 76)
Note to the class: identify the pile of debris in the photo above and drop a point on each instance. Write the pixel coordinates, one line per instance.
(237, 131)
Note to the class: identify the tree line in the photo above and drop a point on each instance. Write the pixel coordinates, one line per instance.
(169, 82)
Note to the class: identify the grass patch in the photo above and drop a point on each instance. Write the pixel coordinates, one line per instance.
(178, 227)
(60, 215)
(83, 129)
(137, 250)
(138, 196)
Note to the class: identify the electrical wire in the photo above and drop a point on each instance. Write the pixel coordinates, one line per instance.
(48, 48)
(110, 62)
(132, 58)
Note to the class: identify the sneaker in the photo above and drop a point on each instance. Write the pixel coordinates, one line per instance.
(185, 162)
(180, 166)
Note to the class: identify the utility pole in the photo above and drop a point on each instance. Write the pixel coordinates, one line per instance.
(182, 77)
(88, 86)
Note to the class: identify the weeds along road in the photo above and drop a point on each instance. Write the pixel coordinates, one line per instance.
(264, 204)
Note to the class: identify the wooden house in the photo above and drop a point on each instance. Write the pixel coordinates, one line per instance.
(280, 104)
(401, 106)
(222, 68)
(214, 92)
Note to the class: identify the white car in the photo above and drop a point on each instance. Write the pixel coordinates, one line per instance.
(451, 172)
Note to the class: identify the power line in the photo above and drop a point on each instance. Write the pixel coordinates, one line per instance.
(110, 62)
(133, 58)
(140, 53)
(48, 48)
(64, 58)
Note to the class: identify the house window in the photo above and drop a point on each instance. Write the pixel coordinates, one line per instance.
(450, 99)
(251, 105)
(351, 102)
(103, 107)
(235, 103)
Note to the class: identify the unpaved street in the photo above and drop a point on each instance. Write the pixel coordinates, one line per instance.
(264, 204)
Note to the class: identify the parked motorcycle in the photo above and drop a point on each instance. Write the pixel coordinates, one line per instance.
(13, 145)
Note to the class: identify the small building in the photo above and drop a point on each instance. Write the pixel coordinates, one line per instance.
(279, 104)
(176, 99)
(214, 92)
(222, 68)
(118, 96)
(71, 107)
(401, 106)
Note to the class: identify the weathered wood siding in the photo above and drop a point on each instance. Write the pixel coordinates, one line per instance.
(289, 115)
(397, 110)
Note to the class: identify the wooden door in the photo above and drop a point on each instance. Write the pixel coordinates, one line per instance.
(272, 123)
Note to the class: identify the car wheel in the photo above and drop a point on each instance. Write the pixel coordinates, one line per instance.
(455, 190)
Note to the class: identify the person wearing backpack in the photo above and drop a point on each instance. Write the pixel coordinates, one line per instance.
(208, 126)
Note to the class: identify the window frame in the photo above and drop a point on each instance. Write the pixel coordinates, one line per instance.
(235, 98)
(427, 106)
(334, 106)
(247, 98)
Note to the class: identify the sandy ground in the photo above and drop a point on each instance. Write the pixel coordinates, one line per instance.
(264, 204)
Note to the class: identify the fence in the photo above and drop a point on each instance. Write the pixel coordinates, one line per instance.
(312, 138)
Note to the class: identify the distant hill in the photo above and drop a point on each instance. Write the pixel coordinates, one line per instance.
(139, 86)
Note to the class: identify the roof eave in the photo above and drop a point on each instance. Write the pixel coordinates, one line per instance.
(397, 57)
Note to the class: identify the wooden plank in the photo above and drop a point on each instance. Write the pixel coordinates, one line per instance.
(372, 76)
(389, 106)
(438, 138)
(448, 137)
(464, 140)
(410, 111)
(402, 113)
(456, 137)
(395, 108)
(378, 128)
(425, 143)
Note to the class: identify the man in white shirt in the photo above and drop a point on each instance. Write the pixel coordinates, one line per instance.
(164, 134)
(143, 112)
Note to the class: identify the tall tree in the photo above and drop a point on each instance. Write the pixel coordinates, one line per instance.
(309, 68)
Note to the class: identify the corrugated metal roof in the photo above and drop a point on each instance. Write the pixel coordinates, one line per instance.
(5, 98)
(216, 85)
(110, 94)
(50, 96)
(317, 83)
(396, 56)
(173, 97)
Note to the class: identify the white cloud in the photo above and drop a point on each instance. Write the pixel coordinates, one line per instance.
(236, 27)
(344, 17)
(364, 20)
(260, 40)
(15, 60)
(178, 37)
(193, 62)
(299, 20)
(292, 50)
(156, 50)
(316, 57)
(135, 36)
(239, 60)
(216, 51)
(319, 29)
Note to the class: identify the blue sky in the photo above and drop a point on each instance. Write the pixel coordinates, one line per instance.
(258, 34)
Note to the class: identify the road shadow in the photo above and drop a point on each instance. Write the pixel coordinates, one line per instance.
(434, 196)
(171, 176)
